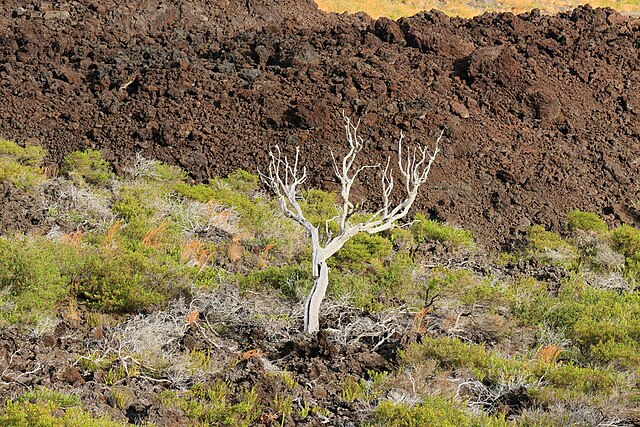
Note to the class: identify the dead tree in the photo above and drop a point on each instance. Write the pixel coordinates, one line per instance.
(284, 178)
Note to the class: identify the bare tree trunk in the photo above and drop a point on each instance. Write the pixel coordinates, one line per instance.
(312, 305)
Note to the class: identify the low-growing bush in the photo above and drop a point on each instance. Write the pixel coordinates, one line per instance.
(35, 274)
(21, 165)
(602, 323)
(586, 221)
(242, 181)
(627, 240)
(202, 193)
(217, 404)
(425, 229)
(320, 206)
(87, 166)
(293, 280)
(43, 408)
(432, 411)
(154, 170)
(361, 250)
(451, 353)
(31, 155)
(550, 247)
(129, 281)
(136, 213)
(42, 394)
(20, 414)
(583, 380)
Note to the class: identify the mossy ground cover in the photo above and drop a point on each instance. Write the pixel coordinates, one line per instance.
(498, 345)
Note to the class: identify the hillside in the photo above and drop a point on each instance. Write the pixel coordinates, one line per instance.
(539, 112)
(148, 276)
(147, 300)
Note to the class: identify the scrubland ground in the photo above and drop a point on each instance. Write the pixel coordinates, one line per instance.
(149, 300)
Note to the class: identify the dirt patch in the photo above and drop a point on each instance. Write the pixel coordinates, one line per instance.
(540, 112)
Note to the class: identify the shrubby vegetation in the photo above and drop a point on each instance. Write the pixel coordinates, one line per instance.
(136, 243)
(21, 165)
(44, 407)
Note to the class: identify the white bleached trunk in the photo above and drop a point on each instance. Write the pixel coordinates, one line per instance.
(312, 305)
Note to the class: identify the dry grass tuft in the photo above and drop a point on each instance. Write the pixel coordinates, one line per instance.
(236, 248)
(549, 353)
(195, 253)
(152, 238)
(72, 239)
(111, 233)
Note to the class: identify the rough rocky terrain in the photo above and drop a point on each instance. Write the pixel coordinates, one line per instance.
(540, 112)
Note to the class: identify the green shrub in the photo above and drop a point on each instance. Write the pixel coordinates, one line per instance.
(29, 156)
(87, 166)
(531, 300)
(137, 213)
(20, 165)
(627, 240)
(20, 176)
(243, 181)
(157, 171)
(359, 289)
(360, 250)
(586, 221)
(49, 414)
(583, 380)
(365, 390)
(42, 394)
(490, 292)
(236, 192)
(202, 193)
(451, 353)
(452, 282)
(128, 281)
(292, 280)
(602, 323)
(318, 207)
(383, 284)
(217, 404)
(550, 247)
(425, 229)
(35, 274)
(432, 411)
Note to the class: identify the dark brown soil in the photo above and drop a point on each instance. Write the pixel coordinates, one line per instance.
(540, 112)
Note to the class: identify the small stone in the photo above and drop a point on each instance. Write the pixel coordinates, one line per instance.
(56, 14)
(98, 333)
(49, 340)
(524, 223)
(318, 392)
(71, 375)
(250, 74)
(459, 109)
(372, 361)
(226, 68)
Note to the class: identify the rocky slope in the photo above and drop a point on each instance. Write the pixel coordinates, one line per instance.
(540, 112)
